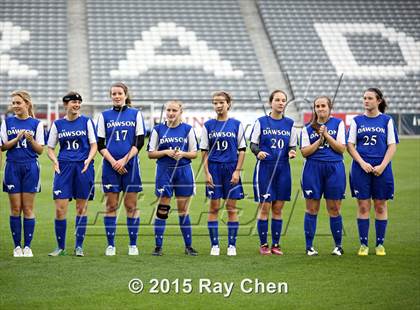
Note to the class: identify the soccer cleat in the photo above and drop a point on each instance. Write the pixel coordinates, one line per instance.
(27, 252)
(215, 250)
(380, 250)
(338, 250)
(231, 250)
(110, 251)
(157, 251)
(58, 252)
(265, 250)
(17, 252)
(363, 250)
(190, 251)
(276, 250)
(311, 252)
(133, 250)
(79, 252)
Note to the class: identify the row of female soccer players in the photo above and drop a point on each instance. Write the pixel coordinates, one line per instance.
(120, 136)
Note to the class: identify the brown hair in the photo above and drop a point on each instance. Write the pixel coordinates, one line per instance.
(314, 119)
(125, 88)
(27, 98)
(224, 94)
(380, 96)
(275, 92)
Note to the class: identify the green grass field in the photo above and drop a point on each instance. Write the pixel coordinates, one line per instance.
(326, 281)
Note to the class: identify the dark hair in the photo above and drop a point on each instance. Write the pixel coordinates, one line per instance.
(275, 92)
(72, 95)
(125, 88)
(380, 96)
(224, 94)
(314, 119)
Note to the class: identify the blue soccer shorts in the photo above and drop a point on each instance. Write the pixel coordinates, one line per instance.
(272, 181)
(174, 180)
(323, 178)
(21, 177)
(72, 183)
(113, 182)
(222, 174)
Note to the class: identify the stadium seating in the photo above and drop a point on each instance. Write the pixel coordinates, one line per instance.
(33, 48)
(172, 49)
(374, 43)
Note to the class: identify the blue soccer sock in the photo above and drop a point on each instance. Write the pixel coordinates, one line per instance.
(309, 226)
(81, 222)
(380, 226)
(28, 230)
(133, 224)
(363, 225)
(213, 227)
(60, 233)
(276, 225)
(16, 229)
(160, 226)
(336, 226)
(110, 223)
(185, 225)
(232, 232)
(262, 227)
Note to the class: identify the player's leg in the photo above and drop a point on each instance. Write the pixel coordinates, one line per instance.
(110, 221)
(80, 225)
(276, 226)
(262, 226)
(133, 221)
(162, 213)
(213, 226)
(233, 226)
(336, 224)
(381, 221)
(363, 211)
(182, 203)
(60, 226)
(15, 200)
(28, 222)
(310, 220)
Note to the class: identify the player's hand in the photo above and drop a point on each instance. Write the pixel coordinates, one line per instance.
(292, 154)
(20, 134)
(366, 167)
(235, 177)
(178, 155)
(86, 166)
(28, 136)
(57, 167)
(209, 180)
(122, 171)
(377, 170)
(262, 155)
(322, 130)
(119, 164)
(170, 153)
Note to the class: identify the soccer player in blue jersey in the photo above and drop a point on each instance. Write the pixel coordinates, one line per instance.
(173, 143)
(223, 149)
(23, 139)
(273, 141)
(323, 142)
(120, 138)
(74, 171)
(372, 141)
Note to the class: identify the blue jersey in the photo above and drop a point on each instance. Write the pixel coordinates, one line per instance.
(22, 151)
(180, 138)
(74, 138)
(119, 128)
(274, 136)
(336, 129)
(222, 139)
(372, 135)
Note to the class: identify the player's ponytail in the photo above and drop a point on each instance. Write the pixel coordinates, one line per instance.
(125, 88)
(380, 96)
(27, 98)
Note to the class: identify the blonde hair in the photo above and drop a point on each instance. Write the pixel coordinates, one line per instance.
(27, 98)
(177, 102)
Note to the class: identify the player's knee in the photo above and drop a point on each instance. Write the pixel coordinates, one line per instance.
(162, 211)
(363, 210)
(111, 208)
(381, 209)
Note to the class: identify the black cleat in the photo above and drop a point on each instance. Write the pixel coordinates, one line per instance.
(190, 251)
(157, 251)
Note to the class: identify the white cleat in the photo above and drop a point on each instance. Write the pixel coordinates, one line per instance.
(231, 251)
(17, 252)
(133, 250)
(215, 250)
(110, 251)
(311, 252)
(338, 251)
(27, 252)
